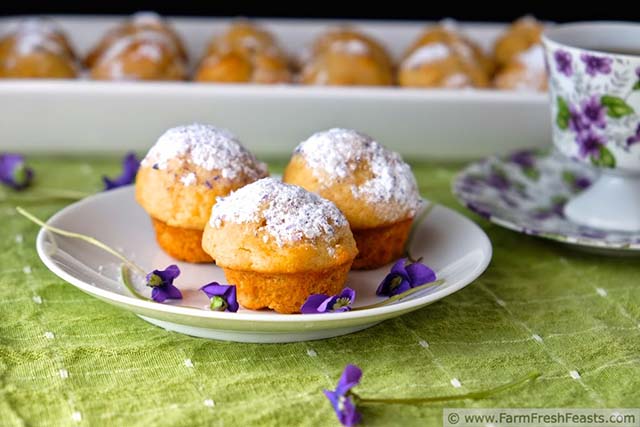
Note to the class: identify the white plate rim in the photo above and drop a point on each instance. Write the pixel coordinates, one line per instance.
(369, 314)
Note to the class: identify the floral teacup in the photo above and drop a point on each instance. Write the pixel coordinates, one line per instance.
(594, 84)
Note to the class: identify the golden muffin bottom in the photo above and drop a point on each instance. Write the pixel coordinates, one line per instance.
(381, 245)
(184, 244)
(285, 292)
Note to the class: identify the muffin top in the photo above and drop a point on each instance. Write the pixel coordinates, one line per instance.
(443, 57)
(373, 186)
(245, 38)
(272, 226)
(522, 35)
(38, 34)
(141, 55)
(245, 53)
(139, 22)
(188, 168)
(206, 147)
(287, 213)
(344, 56)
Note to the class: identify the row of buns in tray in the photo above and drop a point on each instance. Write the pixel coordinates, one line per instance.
(146, 47)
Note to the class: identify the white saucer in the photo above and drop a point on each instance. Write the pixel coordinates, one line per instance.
(456, 248)
(527, 191)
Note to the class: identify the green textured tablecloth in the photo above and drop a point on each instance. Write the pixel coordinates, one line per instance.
(69, 359)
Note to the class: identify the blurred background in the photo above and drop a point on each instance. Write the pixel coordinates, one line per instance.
(477, 11)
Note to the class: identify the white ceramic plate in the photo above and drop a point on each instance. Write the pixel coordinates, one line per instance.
(456, 248)
(269, 119)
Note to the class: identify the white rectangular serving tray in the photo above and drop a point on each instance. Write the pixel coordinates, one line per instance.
(90, 116)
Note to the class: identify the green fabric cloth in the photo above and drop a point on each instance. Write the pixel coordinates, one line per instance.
(67, 359)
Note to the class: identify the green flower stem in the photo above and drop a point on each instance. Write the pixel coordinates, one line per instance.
(398, 297)
(124, 276)
(38, 194)
(483, 394)
(83, 237)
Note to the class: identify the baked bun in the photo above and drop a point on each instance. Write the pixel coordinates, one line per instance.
(180, 179)
(138, 22)
(279, 244)
(371, 185)
(143, 48)
(520, 57)
(36, 48)
(442, 57)
(244, 54)
(345, 57)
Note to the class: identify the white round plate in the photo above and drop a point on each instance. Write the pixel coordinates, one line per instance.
(527, 191)
(456, 248)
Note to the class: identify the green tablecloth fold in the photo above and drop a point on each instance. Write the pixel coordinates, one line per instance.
(67, 359)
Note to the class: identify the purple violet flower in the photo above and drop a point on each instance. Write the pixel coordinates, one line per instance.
(130, 165)
(594, 112)
(590, 143)
(633, 139)
(480, 209)
(470, 184)
(222, 297)
(638, 72)
(582, 183)
(498, 181)
(523, 158)
(577, 121)
(405, 275)
(341, 399)
(563, 62)
(13, 171)
(161, 282)
(596, 64)
(321, 303)
(555, 210)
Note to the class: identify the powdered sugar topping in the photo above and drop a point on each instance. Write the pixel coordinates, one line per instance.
(335, 154)
(532, 58)
(289, 213)
(426, 54)
(144, 39)
(533, 76)
(457, 80)
(208, 147)
(189, 179)
(36, 34)
(31, 25)
(28, 43)
(350, 47)
(150, 51)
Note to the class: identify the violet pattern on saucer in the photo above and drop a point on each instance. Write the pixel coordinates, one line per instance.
(526, 192)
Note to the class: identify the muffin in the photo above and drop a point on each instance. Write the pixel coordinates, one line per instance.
(345, 57)
(371, 185)
(36, 48)
(279, 244)
(520, 57)
(139, 22)
(143, 48)
(144, 55)
(180, 179)
(442, 57)
(244, 54)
